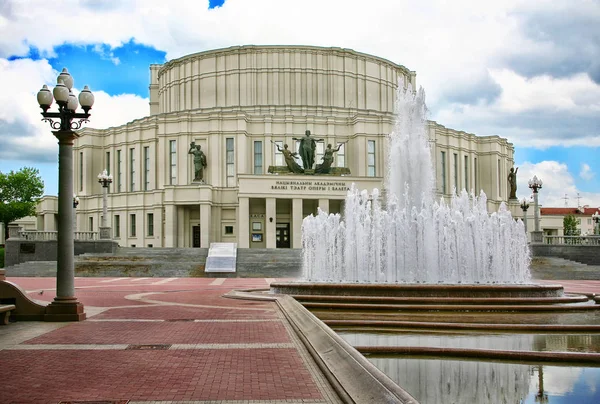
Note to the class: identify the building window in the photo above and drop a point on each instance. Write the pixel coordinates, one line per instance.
(117, 226)
(341, 156)
(475, 176)
(229, 161)
(80, 171)
(173, 162)
(132, 225)
(228, 229)
(466, 173)
(150, 224)
(371, 158)
(320, 153)
(108, 167)
(299, 161)
(146, 168)
(258, 157)
(456, 184)
(119, 172)
(443, 172)
(132, 170)
(91, 223)
(279, 155)
(499, 181)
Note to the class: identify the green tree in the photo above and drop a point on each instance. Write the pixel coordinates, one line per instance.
(570, 227)
(19, 194)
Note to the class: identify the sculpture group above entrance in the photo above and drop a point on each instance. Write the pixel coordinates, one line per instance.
(307, 148)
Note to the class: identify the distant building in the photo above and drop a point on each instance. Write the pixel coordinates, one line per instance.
(239, 104)
(551, 220)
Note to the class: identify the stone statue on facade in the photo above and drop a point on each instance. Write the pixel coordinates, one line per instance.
(307, 149)
(290, 158)
(325, 167)
(199, 161)
(512, 182)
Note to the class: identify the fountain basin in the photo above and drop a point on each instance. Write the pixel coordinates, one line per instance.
(419, 290)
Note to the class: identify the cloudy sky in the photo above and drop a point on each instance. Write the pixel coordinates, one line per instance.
(525, 70)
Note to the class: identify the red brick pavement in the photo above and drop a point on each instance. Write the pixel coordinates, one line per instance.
(237, 374)
(128, 332)
(185, 312)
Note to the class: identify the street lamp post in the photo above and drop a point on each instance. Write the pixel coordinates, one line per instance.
(525, 206)
(105, 180)
(65, 306)
(596, 218)
(536, 184)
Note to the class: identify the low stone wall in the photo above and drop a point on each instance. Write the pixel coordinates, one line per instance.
(586, 254)
(18, 250)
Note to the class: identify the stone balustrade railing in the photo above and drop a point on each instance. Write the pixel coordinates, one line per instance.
(572, 240)
(35, 235)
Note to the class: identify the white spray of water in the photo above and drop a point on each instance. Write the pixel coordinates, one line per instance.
(414, 239)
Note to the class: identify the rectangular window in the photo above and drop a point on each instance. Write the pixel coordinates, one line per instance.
(131, 169)
(228, 229)
(80, 171)
(499, 181)
(150, 224)
(456, 185)
(341, 156)
(132, 225)
(117, 226)
(475, 176)
(258, 157)
(173, 162)
(299, 161)
(229, 161)
(320, 153)
(279, 155)
(107, 166)
(91, 224)
(466, 173)
(443, 162)
(119, 172)
(371, 158)
(146, 168)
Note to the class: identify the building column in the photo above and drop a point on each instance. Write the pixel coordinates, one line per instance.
(243, 219)
(49, 222)
(170, 226)
(324, 205)
(271, 220)
(205, 225)
(297, 217)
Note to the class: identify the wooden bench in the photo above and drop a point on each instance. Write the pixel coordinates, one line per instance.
(5, 313)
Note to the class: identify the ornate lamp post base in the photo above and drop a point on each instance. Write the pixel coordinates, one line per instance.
(104, 233)
(537, 236)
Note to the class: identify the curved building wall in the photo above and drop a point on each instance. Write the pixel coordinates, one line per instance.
(249, 76)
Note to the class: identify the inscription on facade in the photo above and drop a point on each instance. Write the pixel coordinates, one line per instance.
(314, 186)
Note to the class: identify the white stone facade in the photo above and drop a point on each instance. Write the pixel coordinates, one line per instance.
(234, 103)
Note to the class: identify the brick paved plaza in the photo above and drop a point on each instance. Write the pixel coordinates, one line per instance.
(159, 340)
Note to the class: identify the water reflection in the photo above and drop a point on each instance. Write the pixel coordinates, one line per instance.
(512, 342)
(435, 381)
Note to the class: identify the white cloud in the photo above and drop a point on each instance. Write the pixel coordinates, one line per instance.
(557, 181)
(23, 134)
(586, 172)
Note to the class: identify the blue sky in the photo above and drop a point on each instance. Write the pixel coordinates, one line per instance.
(526, 71)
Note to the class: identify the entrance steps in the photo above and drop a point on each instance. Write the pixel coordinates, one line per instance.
(222, 257)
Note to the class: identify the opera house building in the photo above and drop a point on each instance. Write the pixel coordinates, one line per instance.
(210, 163)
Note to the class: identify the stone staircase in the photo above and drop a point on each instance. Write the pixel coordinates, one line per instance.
(171, 262)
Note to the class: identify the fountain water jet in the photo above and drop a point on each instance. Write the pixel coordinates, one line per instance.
(414, 239)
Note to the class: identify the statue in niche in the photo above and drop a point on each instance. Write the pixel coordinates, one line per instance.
(325, 167)
(290, 158)
(307, 149)
(199, 161)
(512, 182)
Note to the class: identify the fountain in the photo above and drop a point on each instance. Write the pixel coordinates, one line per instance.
(408, 241)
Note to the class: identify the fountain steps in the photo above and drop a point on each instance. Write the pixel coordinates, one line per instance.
(448, 307)
(452, 326)
(500, 301)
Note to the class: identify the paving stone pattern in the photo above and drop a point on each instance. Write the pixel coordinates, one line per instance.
(159, 340)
